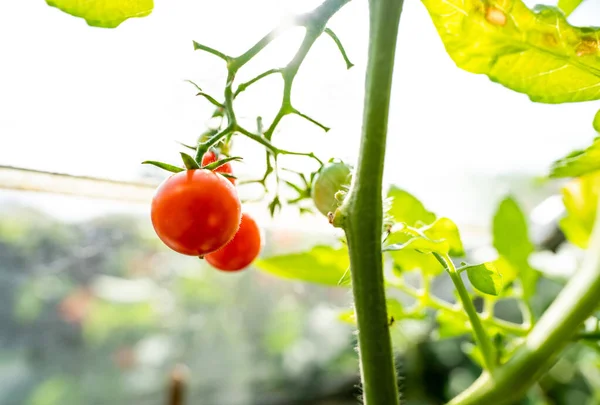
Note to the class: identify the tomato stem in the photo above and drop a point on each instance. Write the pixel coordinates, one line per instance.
(481, 337)
(555, 329)
(362, 211)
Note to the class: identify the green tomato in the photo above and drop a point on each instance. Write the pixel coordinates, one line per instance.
(332, 178)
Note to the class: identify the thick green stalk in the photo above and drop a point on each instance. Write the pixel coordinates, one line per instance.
(555, 329)
(361, 215)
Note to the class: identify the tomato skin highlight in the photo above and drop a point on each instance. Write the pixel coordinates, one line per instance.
(196, 212)
(210, 157)
(241, 251)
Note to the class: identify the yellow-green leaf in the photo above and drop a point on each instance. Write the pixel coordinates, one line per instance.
(580, 197)
(104, 13)
(511, 240)
(568, 6)
(405, 207)
(579, 162)
(536, 52)
(321, 264)
(446, 230)
(485, 278)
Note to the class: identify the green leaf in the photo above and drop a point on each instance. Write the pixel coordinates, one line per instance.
(450, 326)
(322, 264)
(579, 162)
(189, 162)
(446, 229)
(568, 6)
(535, 52)
(596, 122)
(422, 244)
(580, 197)
(511, 240)
(104, 13)
(511, 236)
(165, 166)
(485, 278)
(406, 208)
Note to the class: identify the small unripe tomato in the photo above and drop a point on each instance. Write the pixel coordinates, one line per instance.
(241, 251)
(332, 179)
(196, 212)
(210, 157)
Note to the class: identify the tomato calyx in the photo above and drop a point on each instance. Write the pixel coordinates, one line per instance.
(190, 163)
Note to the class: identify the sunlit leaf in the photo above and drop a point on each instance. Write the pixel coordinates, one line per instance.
(568, 6)
(511, 236)
(536, 52)
(450, 326)
(321, 264)
(485, 278)
(511, 240)
(424, 245)
(580, 197)
(596, 122)
(104, 13)
(404, 207)
(579, 162)
(446, 229)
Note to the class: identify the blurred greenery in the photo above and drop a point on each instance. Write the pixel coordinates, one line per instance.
(99, 312)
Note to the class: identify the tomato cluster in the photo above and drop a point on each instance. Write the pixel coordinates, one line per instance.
(198, 213)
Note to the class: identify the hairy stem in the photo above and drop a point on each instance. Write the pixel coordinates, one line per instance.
(362, 212)
(555, 329)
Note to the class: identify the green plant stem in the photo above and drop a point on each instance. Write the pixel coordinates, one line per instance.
(555, 329)
(481, 338)
(361, 214)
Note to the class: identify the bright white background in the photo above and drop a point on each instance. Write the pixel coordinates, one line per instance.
(97, 102)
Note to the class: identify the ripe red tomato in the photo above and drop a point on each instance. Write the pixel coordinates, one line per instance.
(196, 212)
(210, 157)
(241, 250)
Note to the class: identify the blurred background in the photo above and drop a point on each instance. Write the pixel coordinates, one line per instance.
(94, 310)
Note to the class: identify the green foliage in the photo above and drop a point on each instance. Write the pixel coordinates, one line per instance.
(407, 208)
(568, 6)
(54, 391)
(511, 240)
(450, 325)
(321, 264)
(485, 277)
(536, 52)
(579, 162)
(580, 197)
(440, 237)
(105, 318)
(104, 13)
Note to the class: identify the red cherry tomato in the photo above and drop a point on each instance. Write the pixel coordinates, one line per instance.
(241, 251)
(210, 157)
(196, 212)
